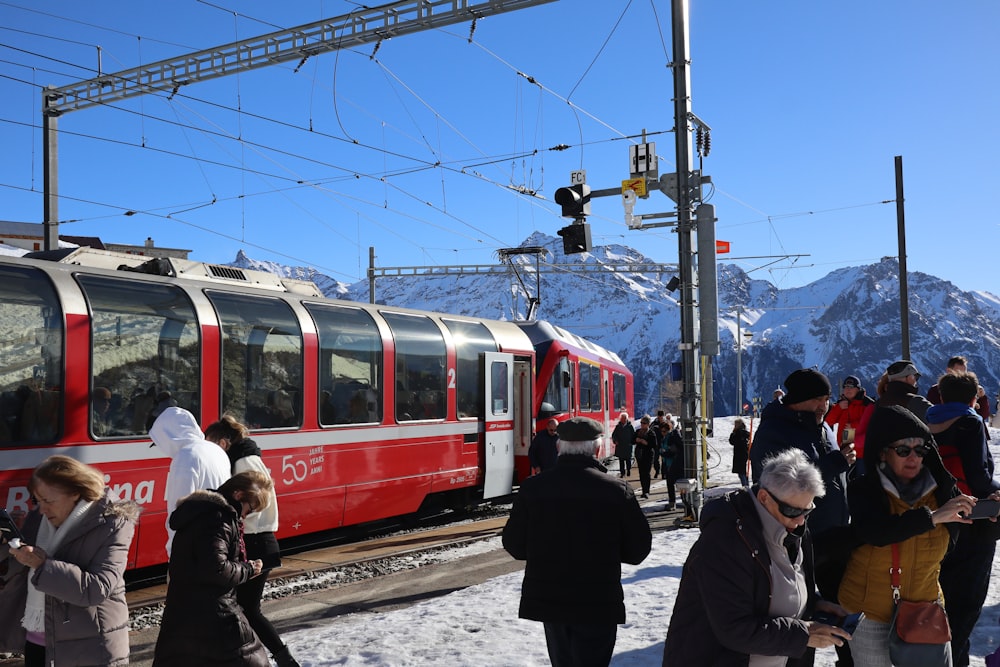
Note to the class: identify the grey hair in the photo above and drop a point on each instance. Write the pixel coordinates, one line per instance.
(790, 472)
(585, 447)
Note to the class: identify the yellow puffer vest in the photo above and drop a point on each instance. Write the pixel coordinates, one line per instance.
(866, 583)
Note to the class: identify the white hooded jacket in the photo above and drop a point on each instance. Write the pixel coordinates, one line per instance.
(197, 463)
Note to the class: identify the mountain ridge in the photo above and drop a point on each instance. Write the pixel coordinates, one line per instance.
(846, 323)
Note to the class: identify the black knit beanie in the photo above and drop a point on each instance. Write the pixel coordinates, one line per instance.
(888, 424)
(804, 384)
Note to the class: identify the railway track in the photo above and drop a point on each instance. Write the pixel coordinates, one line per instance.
(358, 557)
(366, 557)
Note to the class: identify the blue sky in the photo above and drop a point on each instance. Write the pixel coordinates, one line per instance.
(421, 150)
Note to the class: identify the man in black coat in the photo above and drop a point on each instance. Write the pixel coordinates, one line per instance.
(543, 453)
(575, 525)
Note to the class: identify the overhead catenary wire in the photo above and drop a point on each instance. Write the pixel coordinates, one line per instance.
(429, 164)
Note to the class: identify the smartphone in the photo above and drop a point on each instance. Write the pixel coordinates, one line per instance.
(849, 623)
(985, 509)
(8, 529)
(852, 621)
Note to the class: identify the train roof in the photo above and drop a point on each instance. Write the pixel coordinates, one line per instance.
(541, 332)
(507, 335)
(177, 268)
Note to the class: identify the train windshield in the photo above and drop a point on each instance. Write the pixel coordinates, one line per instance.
(31, 361)
(145, 347)
(556, 398)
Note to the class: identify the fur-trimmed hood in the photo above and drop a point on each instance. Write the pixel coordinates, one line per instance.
(200, 504)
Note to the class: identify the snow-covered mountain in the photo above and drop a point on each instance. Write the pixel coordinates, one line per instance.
(846, 323)
(334, 289)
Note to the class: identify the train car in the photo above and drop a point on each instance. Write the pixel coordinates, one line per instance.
(576, 377)
(362, 411)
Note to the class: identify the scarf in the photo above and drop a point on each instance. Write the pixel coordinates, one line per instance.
(48, 540)
(938, 414)
(242, 449)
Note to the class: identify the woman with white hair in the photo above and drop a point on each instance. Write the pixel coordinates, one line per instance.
(748, 583)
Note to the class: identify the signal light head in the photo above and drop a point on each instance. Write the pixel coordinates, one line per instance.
(575, 200)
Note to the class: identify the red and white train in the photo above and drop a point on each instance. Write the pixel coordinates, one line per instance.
(362, 411)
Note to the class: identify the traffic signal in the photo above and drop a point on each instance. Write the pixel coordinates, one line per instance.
(576, 238)
(575, 200)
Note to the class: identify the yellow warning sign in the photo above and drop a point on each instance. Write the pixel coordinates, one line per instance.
(637, 185)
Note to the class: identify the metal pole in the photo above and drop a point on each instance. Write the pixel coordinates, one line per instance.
(904, 295)
(691, 389)
(50, 174)
(371, 274)
(739, 364)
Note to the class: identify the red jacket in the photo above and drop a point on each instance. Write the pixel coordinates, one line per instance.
(840, 418)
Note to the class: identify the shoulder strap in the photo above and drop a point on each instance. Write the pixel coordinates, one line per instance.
(894, 572)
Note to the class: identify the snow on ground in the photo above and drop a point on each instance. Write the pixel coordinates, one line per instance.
(479, 625)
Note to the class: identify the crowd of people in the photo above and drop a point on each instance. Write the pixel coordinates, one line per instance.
(62, 586)
(845, 510)
(891, 519)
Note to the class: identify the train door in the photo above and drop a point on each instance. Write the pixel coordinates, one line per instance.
(499, 424)
(523, 400)
(606, 407)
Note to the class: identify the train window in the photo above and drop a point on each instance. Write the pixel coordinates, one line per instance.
(588, 400)
(145, 347)
(499, 399)
(420, 367)
(261, 360)
(595, 388)
(471, 340)
(584, 396)
(556, 400)
(31, 357)
(350, 365)
(618, 387)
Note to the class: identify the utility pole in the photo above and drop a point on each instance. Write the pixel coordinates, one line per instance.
(691, 386)
(904, 293)
(739, 362)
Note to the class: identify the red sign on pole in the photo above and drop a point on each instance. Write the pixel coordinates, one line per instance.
(721, 247)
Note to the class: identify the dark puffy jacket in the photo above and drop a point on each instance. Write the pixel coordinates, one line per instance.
(622, 437)
(86, 616)
(740, 440)
(781, 429)
(202, 623)
(575, 525)
(721, 612)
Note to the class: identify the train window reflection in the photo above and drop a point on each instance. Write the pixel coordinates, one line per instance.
(31, 357)
(261, 360)
(350, 365)
(145, 347)
(557, 388)
(618, 380)
(471, 340)
(420, 367)
(499, 391)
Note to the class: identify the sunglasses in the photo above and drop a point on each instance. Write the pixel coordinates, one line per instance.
(902, 451)
(790, 511)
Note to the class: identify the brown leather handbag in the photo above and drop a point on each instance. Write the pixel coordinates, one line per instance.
(919, 635)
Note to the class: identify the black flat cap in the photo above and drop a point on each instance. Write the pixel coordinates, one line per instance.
(579, 429)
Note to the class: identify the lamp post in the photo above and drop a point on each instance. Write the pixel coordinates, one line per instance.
(739, 358)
